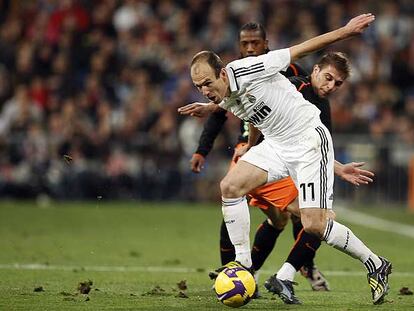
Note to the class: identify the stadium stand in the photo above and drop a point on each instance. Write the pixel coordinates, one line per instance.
(100, 81)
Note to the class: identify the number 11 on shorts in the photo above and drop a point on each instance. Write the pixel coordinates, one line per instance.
(308, 188)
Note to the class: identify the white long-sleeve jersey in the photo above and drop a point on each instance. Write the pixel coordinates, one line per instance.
(265, 98)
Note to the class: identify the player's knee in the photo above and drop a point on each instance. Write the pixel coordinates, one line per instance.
(229, 189)
(313, 227)
(279, 222)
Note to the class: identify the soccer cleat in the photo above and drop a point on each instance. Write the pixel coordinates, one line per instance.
(316, 279)
(283, 288)
(213, 274)
(378, 281)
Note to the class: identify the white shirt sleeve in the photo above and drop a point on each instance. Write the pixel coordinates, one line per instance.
(260, 67)
(277, 60)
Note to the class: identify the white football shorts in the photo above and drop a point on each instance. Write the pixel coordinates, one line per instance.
(309, 160)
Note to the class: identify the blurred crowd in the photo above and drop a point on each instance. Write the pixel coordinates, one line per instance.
(100, 82)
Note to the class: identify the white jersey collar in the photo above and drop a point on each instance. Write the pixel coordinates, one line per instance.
(233, 83)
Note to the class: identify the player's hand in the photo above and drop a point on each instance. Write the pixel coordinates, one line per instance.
(240, 151)
(358, 24)
(352, 173)
(197, 109)
(197, 162)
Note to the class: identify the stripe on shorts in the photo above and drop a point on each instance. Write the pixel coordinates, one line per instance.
(323, 170)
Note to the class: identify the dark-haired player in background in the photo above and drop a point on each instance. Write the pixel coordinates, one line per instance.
(327, 76)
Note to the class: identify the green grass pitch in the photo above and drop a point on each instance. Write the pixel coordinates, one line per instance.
(136, 253)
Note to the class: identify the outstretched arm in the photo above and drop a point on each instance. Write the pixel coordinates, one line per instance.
(352, 173)
(211, 129)
(198, 109)
(354, 27)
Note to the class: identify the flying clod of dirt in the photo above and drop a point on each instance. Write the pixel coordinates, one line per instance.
(39, 289)
(85, 287)
(182, 285)
(405, 291)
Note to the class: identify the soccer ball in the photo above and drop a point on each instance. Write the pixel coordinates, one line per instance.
(234, 286)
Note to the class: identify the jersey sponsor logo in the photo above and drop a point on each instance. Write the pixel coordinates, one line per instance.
(261, 112)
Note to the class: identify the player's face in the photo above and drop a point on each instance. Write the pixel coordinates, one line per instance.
(251, 43)
(326, 80)
(204, 79)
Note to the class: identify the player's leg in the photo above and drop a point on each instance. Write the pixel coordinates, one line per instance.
(227, 253)
(250, 172)
(302, 251)
(315, 200)
(272, 199)
(235, 185)
(303, 242)
(296, 226)
(315, 220)
(342, 238)
(267, 234)
(266, 237)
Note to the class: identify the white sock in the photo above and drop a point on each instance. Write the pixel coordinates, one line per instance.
(236, 216)
(343, 239)
(286, 272)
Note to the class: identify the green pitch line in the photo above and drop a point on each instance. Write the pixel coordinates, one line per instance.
(369, 221)
(153, 269)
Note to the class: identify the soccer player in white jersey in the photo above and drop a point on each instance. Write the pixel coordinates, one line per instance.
(295, 144)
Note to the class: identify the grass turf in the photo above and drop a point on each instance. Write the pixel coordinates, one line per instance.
(142, 246)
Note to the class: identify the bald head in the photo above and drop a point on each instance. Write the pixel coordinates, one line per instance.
(209, 76)
(210, 58)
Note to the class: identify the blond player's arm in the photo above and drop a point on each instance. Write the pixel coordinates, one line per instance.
(254, 135)
(354, 27)
(199, 110)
